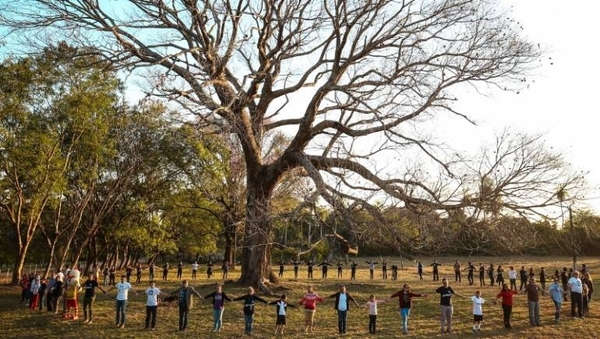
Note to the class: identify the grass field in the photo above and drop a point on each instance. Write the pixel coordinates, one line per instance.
(20, 322)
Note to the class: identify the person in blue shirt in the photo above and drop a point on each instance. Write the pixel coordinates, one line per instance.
(342, 304)
(556, 293)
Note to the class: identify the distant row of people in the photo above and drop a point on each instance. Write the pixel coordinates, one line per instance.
(325, 264)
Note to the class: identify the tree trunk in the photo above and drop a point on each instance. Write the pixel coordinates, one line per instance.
(19, 263)
(230, 227)
(257, 235)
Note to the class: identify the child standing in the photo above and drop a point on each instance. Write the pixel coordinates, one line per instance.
(249, 300)
(477, 301)
(282, 306)
(372, 305)
(309, 301)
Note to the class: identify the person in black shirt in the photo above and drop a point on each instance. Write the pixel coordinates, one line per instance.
(180, 270)
(384, 264)
(89, 296)
(394, 272)
(353, 267)
(165, 274)
(436, 274)
(543, 278)
(310, 264)
(446, 292)
(470, 272)
(281, 268)
(128, 271)
(324, 265)
(491, 274)
(296, 267)
(481, 275)
(564, 279)
(209, 267)
(340, 269)
(420, 270)
(249, 300)
(523, 277)
(500, 276)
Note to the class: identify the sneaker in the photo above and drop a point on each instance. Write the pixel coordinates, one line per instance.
(89, 322)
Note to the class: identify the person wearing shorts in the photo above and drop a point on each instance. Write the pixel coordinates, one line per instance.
(282, 306)
(309, 301)
(477, 301)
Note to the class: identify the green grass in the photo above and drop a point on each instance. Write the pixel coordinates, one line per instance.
(20, 322)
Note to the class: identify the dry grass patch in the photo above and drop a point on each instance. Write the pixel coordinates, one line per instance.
(19, 322)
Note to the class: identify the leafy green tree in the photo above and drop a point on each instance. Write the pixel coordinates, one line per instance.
(52, 107)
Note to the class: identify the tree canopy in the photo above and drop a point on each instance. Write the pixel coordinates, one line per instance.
(350, 82)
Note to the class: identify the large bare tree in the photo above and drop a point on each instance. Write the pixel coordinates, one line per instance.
(350, 81)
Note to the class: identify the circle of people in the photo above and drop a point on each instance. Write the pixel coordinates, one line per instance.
(568, 284)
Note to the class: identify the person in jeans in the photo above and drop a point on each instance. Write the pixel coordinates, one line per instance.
(89, 287)
(576, 288)
(249, 300)
(218, 302)
(123, 289)
(405, 297)
(507, 303)
(185, 295)
(556, 293)
(446, 292)
(342, 305)
(533, 301)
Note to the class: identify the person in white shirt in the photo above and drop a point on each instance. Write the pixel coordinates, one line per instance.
(194, 270)
(372, 306)
(152, 294)
(512, 277)
(122, 288)
(576, 288)
(477, 301)
(282, 306)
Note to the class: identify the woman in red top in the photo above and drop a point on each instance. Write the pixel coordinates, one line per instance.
(309, 300)
(507, 303)
(405, 297)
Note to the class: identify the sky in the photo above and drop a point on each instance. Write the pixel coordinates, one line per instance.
(562, 101)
